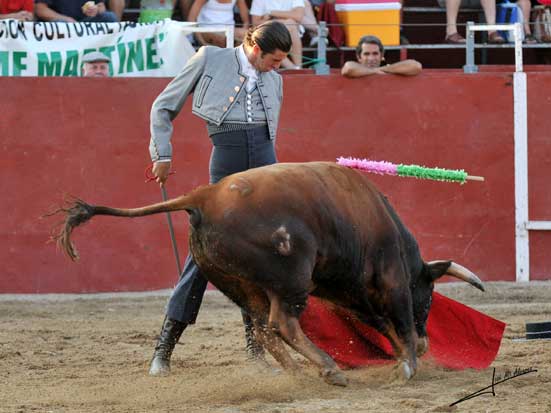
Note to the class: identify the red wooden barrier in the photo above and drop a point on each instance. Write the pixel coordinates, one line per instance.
(89, 138)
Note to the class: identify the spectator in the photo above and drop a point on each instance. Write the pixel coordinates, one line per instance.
(452, 10)
(310, 22)
(95, 64)
(370, 55)
(117, 7)
(73, 11)
(17, 9)
(213, 12)
(525, 6)
(290, 13)
(185, 8)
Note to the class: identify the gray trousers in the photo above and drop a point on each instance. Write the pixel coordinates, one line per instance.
(232, 152)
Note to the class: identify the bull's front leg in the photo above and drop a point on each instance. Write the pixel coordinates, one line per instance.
(404, 353)
(422, 345)
(401, 333)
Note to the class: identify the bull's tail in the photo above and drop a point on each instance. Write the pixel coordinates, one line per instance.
(78, 212)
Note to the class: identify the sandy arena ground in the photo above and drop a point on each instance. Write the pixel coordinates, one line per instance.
(91, 354)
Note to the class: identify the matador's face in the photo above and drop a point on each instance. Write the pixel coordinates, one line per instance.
(264, 62)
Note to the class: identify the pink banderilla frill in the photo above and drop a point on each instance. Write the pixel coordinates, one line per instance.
(378, 167)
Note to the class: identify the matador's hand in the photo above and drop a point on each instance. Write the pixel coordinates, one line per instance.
(161, 171)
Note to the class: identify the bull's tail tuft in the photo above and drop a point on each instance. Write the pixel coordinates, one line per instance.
(76, 213)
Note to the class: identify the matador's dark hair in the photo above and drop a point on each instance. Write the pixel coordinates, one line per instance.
(269, 36)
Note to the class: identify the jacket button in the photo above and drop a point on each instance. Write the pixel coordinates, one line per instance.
(225, 108)
(241, 79)
(231, 98)
(236, 88)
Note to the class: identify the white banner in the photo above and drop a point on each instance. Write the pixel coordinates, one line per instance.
(56, 48)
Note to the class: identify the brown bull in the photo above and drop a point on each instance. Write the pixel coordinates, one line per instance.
(268, 237)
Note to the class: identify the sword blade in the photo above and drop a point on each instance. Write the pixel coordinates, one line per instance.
(171, 231)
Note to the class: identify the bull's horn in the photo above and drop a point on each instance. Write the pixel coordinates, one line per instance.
(462, 273)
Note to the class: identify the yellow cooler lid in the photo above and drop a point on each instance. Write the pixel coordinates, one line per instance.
(368, 6)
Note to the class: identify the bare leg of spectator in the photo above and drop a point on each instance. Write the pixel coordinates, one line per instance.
(185, 6)
(452, 10)
(526, 6)
(218, 39)
(215, 39)
(489, 7)
(117, 7)
(309, 20)
(310, 23)
(296, 48)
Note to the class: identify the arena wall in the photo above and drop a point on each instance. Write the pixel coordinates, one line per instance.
(88, 138)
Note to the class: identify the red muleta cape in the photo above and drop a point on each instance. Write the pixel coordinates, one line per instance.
(459, 336)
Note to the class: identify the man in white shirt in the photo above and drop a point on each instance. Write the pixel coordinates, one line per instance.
(290, 13)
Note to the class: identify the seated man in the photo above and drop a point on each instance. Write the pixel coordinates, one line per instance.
(17, 9)
(452, 10)
(370, 55)
(95, 64)
(288, 12)
(73, 11)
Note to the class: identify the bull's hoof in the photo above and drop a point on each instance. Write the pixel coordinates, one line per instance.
(422, 346)
(334, 377)
(402, 372)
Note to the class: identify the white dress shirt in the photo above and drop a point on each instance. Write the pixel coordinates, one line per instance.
(248, 69)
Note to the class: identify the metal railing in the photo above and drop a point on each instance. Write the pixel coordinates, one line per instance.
(520, 108)
(515, 29)
(470, 46)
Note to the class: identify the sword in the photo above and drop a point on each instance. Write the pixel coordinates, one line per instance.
(171, 231)
(164, 195)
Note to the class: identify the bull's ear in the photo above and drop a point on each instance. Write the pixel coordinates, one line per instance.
(438, 268)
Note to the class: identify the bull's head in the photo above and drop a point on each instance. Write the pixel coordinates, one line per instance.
(422, 287)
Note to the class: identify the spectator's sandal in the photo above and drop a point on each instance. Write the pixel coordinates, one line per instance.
(455, 38)
(495, 38)
(530, 39)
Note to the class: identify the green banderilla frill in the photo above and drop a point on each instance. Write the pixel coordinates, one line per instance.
(437, 174)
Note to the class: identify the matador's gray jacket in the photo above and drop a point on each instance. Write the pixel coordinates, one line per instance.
(215, 78)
